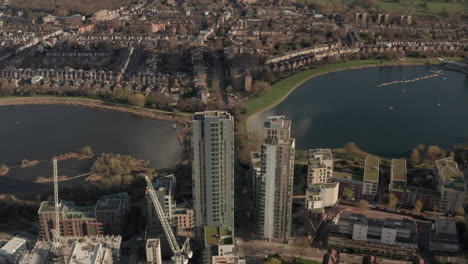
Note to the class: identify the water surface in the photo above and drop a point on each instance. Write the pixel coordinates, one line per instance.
(348, 106)
(38, 132)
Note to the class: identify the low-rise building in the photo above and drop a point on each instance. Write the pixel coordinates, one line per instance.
(12, 250)
(227, 260)
(319, 196)
(371, 178)
(320, 166)
(153, 251)
(375, 234)
(219, 241)
(451, 185)
(350, 185)
(444, 240)
(75, 250)
(184, 219)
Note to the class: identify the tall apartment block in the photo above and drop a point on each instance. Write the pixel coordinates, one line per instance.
(371, 178)
(212, 154)
(320, 166)
(275, 183)
(451, 185)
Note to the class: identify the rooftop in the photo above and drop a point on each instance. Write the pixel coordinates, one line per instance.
(320, 154)
(346, 176)
(398, 172)
(211, 114)
(449, 171)
(215, 235)
(12, 246)
(277, 122)
(445, 225)
(371, 170)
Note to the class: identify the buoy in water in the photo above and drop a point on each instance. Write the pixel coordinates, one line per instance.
(392, 108)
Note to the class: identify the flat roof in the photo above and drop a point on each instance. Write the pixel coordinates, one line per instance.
(371, 170)
(12, 246)
(346, 176)
(398, 171)
(208, 114)
(215, 235)
(449, 171)
(324, 153)
(444, 225)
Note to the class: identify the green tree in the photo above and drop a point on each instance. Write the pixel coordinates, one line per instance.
(137, 100)
(4, 169)
(86, 150)
(348, 193)
(415, 157)
(460, 211)
(392, 201)
(418, 206)
(363, 204)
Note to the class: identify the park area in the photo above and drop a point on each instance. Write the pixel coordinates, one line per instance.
(422, 7)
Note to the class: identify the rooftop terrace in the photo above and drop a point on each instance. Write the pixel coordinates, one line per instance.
(371, 170)
(449, 171)
(398, 170)
(215, 235)
(346, 176)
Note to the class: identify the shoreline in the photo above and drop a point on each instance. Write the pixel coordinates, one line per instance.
(183, 119)
(278, 101)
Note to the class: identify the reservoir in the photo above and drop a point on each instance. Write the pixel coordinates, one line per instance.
(38, 132)
(360, 106)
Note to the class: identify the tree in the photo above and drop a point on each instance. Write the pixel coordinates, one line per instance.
(415, 157)
(260, 87)
(434, 153)
(137, 100)
(418, 206)
(363, 204)
(392, 201)
(274, 259)
(348, 193)
(4, 169)
(86, 150)
(460, 211)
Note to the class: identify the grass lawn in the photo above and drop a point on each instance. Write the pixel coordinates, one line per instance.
(418, 7)
(308, 261)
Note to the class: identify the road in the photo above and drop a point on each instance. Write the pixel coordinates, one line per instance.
(218, 72)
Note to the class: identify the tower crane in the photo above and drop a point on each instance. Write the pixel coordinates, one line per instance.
(181, 254)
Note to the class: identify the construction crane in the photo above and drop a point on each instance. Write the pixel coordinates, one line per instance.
(56, 230)
(181, 254)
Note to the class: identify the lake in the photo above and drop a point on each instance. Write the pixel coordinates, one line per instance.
(349, 106)
(38, 132)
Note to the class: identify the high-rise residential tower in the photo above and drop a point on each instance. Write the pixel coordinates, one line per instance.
(212, 153)
(275, 182)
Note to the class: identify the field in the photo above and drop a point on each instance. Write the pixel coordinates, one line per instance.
(420, 7)
(307, 261)
(64, 7)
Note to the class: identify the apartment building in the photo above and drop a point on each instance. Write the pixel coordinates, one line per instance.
(451, 185)
(445, 238)
(184, 219)
(320, 166)
(111, 211)
(153, 251)
(219, 242)
(319, 196)
(74, 220)
(212, 154)
(371, 178)
(275, 184)
(379, 235)
(164, 188)
(107, 217)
